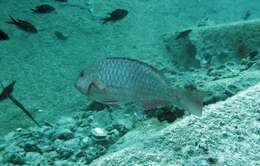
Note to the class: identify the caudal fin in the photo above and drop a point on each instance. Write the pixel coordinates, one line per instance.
(191, 100)
(12, 21)
(105, 20)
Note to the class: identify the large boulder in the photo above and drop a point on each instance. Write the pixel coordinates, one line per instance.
(228, 133)
(214, 45)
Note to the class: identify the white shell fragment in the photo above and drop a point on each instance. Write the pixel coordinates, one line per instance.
(99, 134)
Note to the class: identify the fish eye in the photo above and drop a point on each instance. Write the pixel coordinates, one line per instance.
(81, 74)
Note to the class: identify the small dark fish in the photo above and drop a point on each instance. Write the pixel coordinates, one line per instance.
(247, 15)
(62, 0)
(116, 15)
(45, 8)
(3, 35)
(60, 36)
(183, 34)
(253, 54)
(7, 93)
(23, 25)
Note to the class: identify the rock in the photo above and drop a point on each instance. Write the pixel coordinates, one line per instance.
(2, 147)
(214, 45)
(123, 119)
(63, 163)
(9, 136)
(64, 153)
(225, 135)
(45, 147)
(94, 152)
(101, 119)
(67, 122)
(13, 148)
(87, 141)
(35, 158)
(72, 144)
(14, 158)
(64, 134)
(51, 156)
(99, 134)
(31, 148)
(169, 114)
(97, 106)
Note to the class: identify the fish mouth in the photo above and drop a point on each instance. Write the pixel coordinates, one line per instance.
(79, 88)
(76, 86)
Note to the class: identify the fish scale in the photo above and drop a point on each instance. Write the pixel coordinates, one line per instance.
(130, 74)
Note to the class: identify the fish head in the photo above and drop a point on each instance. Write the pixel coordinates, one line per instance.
(84, 80)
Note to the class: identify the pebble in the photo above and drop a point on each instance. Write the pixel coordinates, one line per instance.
(15, 159)
(2, 147)
(99, 134)
(73, 144)
(34, 157)
(18, 129)
(63, 163)
(64, 134)
(31, 148)
(64, 153)
(67, 122)
(86, 141)
(63, 143)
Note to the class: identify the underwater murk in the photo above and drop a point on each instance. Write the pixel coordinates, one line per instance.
(130, 83)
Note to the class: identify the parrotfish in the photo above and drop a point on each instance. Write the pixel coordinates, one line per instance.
(116, 80)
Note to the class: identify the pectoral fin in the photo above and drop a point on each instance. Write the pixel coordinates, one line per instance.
(97, 86)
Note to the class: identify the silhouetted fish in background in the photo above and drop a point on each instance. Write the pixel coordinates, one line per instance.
(120, 80)
(7, 93)
(3, 35)
(23, 25)
(183, 34)
(60, 36)
(115, 15)
(62, 0)
(45, 8)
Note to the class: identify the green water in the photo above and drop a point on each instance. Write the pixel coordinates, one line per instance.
(45, 66)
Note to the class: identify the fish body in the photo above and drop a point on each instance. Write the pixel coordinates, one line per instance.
(45, 8)
(23, 25)
(60, 36)
(3, 35)
(120, 80)
(115, 15)
(7, 93)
